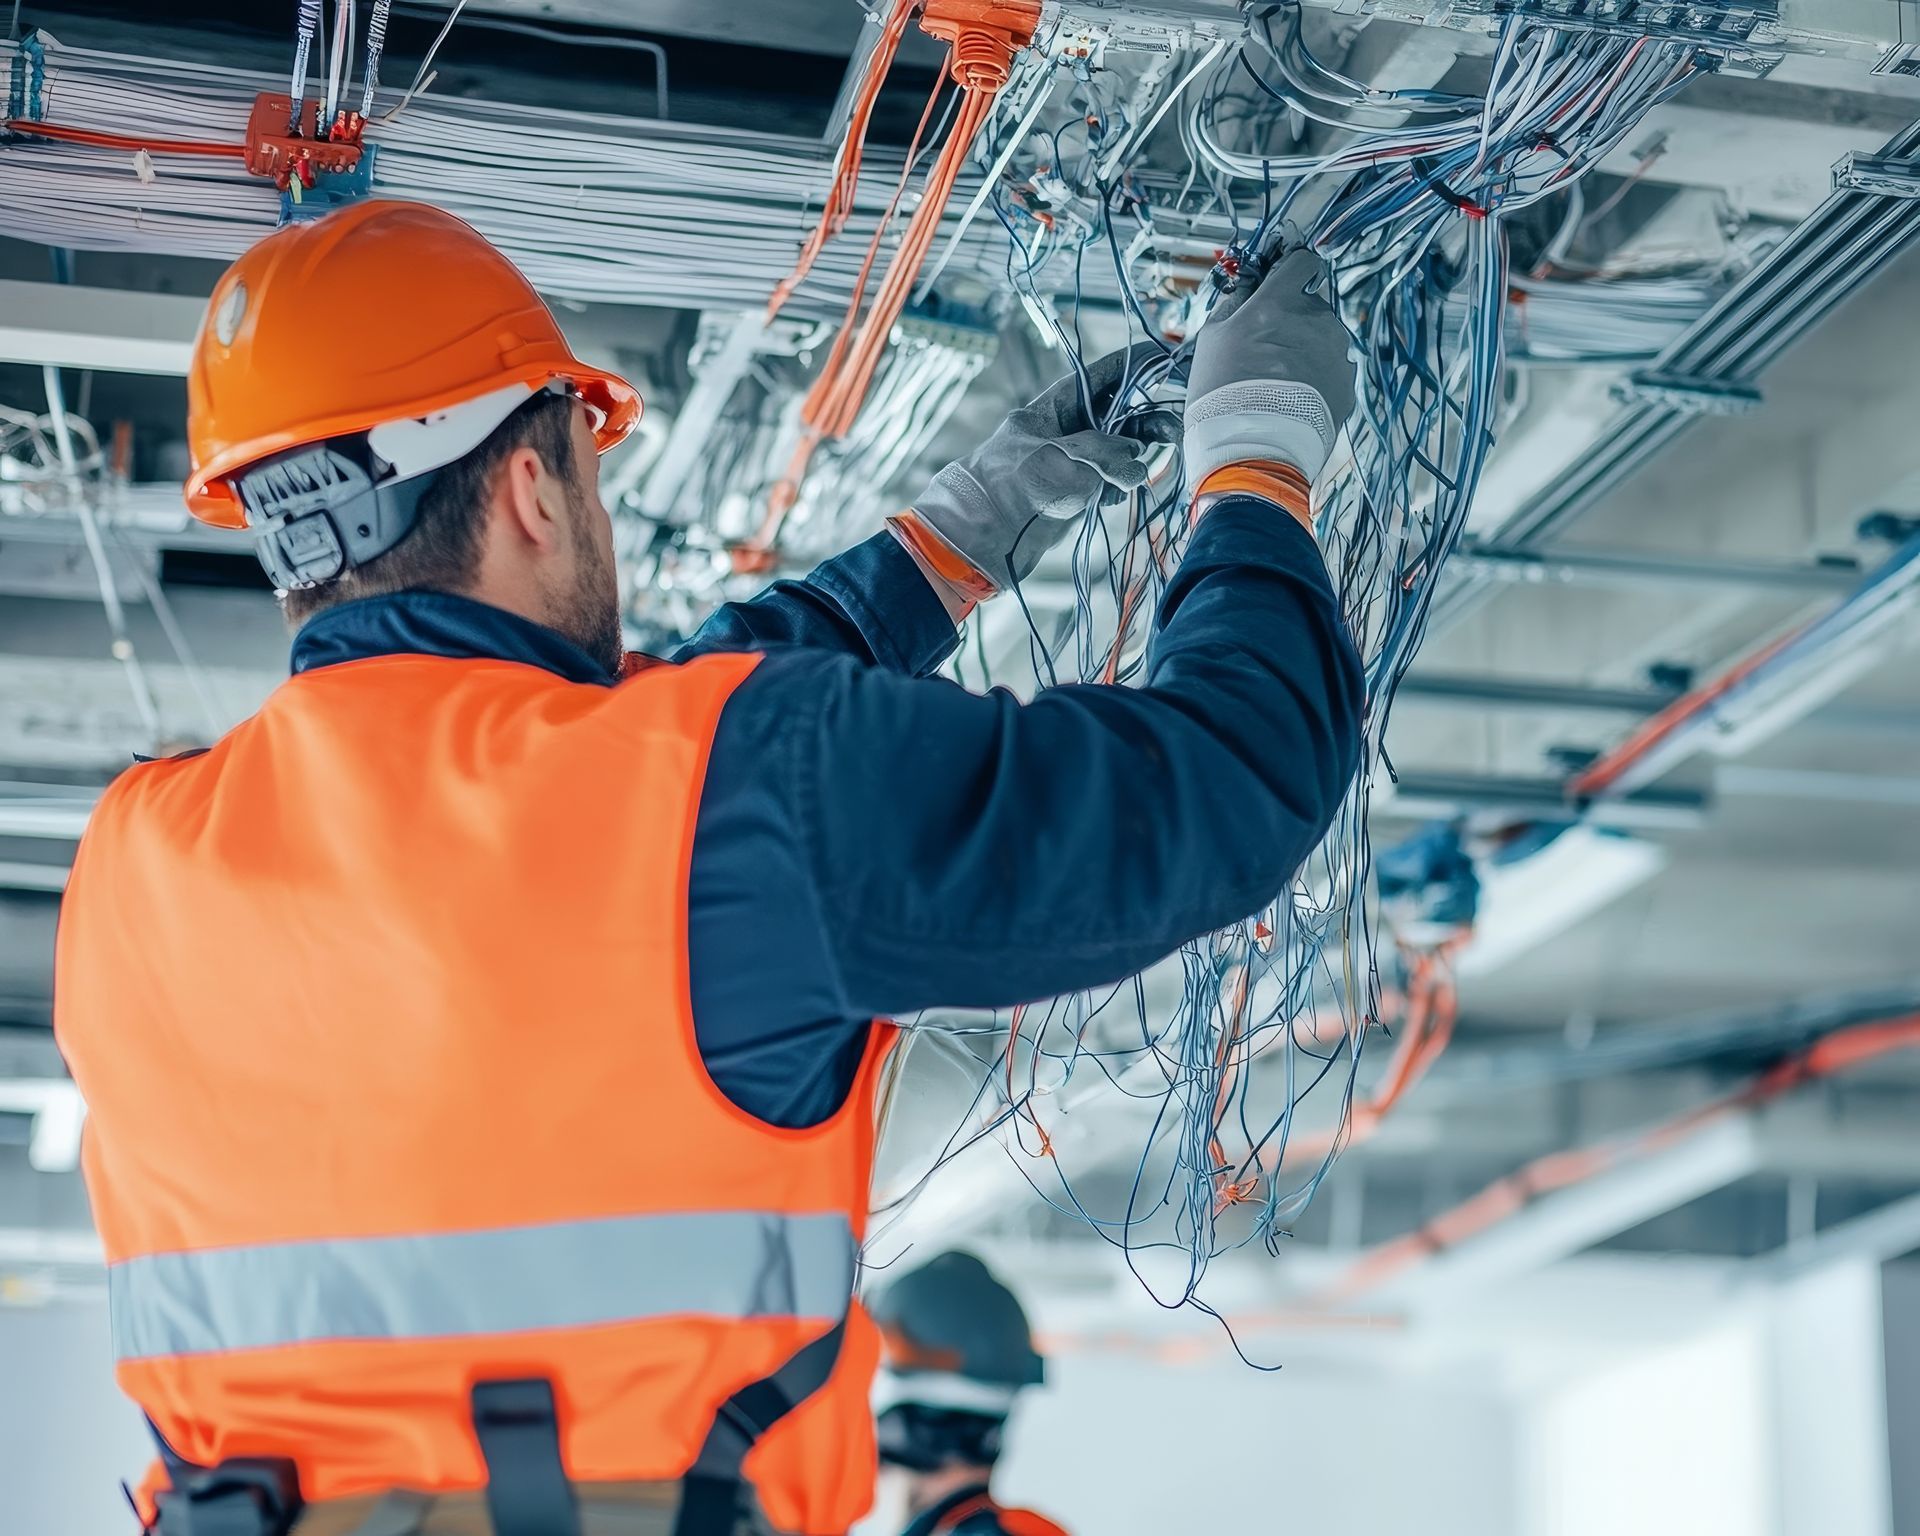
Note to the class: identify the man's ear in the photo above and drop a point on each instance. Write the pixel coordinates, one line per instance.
(534, 501)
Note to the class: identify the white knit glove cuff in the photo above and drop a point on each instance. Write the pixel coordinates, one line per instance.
(1259, 419)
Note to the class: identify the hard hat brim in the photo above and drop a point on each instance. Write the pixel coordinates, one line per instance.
(212, 500)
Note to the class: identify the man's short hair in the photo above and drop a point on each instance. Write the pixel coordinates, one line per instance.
(442, 551)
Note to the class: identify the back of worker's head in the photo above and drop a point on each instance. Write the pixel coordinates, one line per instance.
(383, 399)
(957, 1353)
(442, 550)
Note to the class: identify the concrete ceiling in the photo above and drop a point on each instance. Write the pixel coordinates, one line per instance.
(1800, 877)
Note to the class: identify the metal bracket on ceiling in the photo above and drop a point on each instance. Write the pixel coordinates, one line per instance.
(1900, 59)
(1688, 394)
(1877, 175)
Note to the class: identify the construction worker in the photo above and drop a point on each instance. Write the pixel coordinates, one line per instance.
(481, 1040)
(956, 1353)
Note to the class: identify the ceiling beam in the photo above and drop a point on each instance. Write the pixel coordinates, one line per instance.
(1559, 1225)
(108, 328)
(1880, 1235)
(1637, 571)
(1487, 692)
(1861, 29)
(58, 811)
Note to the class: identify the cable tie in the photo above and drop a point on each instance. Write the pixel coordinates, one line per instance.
(1425, 169)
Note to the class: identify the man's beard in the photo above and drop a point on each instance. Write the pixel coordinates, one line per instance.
(589, 615)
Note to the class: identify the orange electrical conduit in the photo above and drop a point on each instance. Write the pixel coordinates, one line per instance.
(846, 176)
(1507, 1197)
(982, 38)
(206, 147)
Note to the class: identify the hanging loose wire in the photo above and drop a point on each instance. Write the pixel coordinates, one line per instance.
(1280, 1008)
(1249, 1083)
(424, 73)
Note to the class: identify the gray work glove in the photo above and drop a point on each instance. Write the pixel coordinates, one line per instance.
(1271, 378)
(1015, 496)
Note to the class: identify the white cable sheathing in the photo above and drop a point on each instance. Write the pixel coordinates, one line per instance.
(591, 207)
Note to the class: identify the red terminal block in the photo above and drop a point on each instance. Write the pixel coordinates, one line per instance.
(283, 156)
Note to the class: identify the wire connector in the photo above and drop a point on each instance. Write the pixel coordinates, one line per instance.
(984, 34)
(303, 153)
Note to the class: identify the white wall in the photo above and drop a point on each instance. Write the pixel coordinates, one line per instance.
(67, 1436)
(1670, 1442)
(1900, 1322)
(1770, 1421)
(1123, 1446)
(1827, 1402)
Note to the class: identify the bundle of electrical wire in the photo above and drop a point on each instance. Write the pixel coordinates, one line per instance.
(1420, 186)
(847, 493)
(590, 207)
(1601, 321)
(846, 488)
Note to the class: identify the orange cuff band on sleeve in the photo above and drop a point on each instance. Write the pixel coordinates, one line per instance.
(1268, 478)
(939, 559)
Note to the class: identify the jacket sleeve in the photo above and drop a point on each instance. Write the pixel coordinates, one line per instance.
(973, 850)
(870, 603)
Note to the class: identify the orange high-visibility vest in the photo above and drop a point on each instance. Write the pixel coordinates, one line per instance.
(381, 1011)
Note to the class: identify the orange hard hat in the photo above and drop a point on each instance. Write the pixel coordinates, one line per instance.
(382, 312)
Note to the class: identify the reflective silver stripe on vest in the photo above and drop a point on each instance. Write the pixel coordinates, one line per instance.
(732, 1264)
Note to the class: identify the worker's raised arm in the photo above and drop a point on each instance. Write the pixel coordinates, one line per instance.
(894, 600)
(872, 603)
(974, 850)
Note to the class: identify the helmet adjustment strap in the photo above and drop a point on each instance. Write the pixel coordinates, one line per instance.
(321, 509)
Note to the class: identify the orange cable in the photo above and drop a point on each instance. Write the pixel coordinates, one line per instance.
(1601, 774)
(839, 403)
(846, 179)
(1432, 1006)
(786, 490)
(983, 36)
(1843, 1049)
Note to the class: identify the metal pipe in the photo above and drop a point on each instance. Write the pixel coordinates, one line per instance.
(1420, 795)
(1619, 569)
(1474, 690)
(1528, 693)
(1684, 727)
(123, 650)
(1834, 253)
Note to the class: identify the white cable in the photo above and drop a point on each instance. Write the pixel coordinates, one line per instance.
(342, 40)
(591, 207)
(304, 30)
(110, 604)
(376, 45)
(420, 75)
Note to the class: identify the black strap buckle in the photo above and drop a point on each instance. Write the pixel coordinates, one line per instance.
(303, 551)
(243, 1496)
(528, 1491)
(714, 1497)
